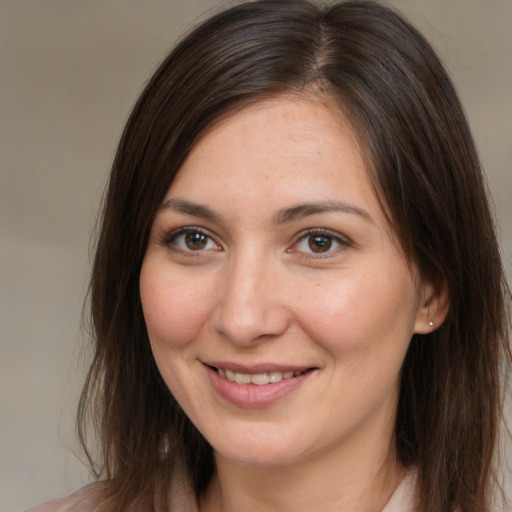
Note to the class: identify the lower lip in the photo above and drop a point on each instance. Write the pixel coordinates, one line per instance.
(252, 395)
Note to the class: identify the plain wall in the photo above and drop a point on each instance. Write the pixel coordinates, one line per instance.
(70, 70)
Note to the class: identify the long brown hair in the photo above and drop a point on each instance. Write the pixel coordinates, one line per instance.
(421, 157)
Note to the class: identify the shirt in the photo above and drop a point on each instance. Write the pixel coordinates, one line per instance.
(404, 499)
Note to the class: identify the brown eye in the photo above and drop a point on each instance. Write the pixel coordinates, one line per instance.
(320, 243)
(190, 239)
(196, 241)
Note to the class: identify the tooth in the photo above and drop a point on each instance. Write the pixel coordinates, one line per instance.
(260, 378)
(242, 378)
(275, 376)
(257, 378)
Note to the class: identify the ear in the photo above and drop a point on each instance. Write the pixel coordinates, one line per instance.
(433, 307)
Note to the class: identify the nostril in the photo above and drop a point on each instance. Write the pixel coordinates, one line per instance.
(251, 324)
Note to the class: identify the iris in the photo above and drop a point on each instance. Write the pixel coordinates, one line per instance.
(320, 243)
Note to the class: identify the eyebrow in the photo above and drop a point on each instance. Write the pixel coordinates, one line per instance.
(304, 210)
(189, 208)
(283, 216)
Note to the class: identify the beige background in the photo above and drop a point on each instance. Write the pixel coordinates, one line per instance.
(69, 72)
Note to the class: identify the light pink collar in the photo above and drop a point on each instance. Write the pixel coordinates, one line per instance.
(405, 497)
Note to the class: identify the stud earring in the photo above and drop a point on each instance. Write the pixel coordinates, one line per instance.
(431, 323)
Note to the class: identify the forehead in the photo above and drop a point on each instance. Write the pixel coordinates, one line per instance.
(306, 115)
(278, 135)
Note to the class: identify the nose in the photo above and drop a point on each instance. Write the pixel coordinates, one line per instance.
(250, 308)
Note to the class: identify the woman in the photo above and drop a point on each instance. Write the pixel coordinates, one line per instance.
(297, 296)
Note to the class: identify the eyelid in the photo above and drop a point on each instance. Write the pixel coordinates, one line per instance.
(168, 237)
(342, 240)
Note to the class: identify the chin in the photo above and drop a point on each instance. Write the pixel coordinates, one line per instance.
(257, 450)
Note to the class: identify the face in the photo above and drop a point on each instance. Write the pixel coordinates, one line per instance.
(278, 303)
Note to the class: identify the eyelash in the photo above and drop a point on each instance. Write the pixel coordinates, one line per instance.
(169, 240)
(342, 242)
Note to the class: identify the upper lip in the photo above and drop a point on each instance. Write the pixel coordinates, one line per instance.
(257, 368)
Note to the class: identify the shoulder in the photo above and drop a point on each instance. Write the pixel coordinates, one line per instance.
(406, 496)
(83, 500)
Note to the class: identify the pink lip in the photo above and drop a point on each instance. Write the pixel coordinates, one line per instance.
(251, 395)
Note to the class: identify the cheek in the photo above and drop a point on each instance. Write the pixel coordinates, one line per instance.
(356, 313)
(172, 311)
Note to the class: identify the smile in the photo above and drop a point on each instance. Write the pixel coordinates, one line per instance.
(256, 386)
(260, 379)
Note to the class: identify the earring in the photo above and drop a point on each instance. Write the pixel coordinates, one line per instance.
(431, 323)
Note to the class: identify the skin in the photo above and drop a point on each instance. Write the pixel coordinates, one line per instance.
(254, 292)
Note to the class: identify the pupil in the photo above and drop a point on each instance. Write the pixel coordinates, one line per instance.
(195, 241)
(320, 243)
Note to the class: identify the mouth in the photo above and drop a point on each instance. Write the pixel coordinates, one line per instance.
(256, 385)
(260, 378)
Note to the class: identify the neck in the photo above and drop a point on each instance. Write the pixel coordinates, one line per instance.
(360, 481)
